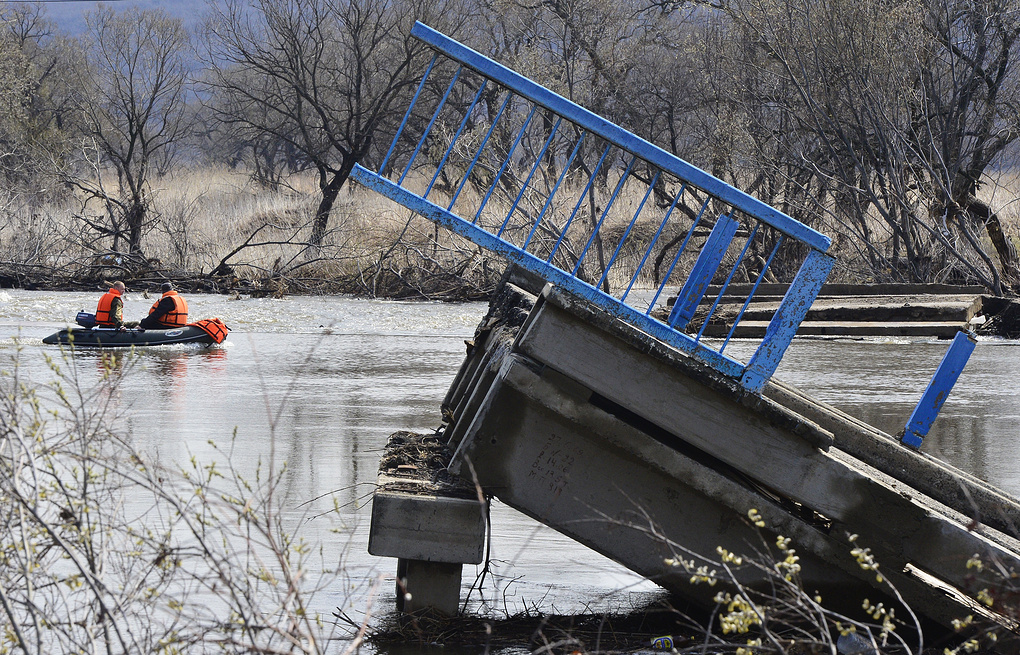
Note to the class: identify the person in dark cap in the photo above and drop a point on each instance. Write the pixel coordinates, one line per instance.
(170, 311)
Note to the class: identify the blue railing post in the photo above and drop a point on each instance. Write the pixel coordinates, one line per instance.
(778, 335)
(941, 384)
(709, 258)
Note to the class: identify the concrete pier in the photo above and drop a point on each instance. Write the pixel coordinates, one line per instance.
(629, 432)
(643, 454)
(431, 522)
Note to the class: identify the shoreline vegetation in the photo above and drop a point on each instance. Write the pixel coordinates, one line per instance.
(220, 157)
(213, 230)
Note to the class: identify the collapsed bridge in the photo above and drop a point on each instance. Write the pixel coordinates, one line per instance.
(589, 403)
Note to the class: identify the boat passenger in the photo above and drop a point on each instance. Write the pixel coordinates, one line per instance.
(110, 311)
(169, 311)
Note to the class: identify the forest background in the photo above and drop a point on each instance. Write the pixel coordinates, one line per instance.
(217, 154)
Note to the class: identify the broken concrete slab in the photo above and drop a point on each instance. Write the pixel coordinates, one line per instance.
(431, 521)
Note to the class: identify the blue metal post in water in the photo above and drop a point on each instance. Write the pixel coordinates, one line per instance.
(938, 389)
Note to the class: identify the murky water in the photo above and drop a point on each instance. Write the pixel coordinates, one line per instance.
(880, 381)
(321, 383)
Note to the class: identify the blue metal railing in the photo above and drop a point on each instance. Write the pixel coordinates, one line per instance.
(586, 205)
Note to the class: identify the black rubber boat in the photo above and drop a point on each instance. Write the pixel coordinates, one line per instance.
(206, 331)
(112, 338)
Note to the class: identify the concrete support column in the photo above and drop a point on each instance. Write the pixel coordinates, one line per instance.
(432, 536)
(423, 585)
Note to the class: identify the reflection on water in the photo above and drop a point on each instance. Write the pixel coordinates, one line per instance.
(321, 383)
(170, 367)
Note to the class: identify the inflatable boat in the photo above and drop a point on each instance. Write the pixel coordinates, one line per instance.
(206, 331)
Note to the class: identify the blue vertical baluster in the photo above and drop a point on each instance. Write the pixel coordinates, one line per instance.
(726, 284)
(761, 276)
(605, 213)
(580, 201)
(453, 141)
(524, 187)
(679, 252)
(506, 163)
(707, 264)
(651, 246)
(941, 384)
(626, 233)
(407, 114)
(435, 115)
(492, 128)
(548, 201)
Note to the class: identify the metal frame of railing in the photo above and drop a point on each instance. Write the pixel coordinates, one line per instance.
(483, 121)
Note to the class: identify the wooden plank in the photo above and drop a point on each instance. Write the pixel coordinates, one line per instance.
(840, 289)
(757, 329)
(546, 451)
(890, 518)
(871, 309)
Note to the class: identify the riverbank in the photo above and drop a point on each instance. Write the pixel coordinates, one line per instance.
(395, 283)
(846, 310)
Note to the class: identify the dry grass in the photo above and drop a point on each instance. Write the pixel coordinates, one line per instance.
(200, 216)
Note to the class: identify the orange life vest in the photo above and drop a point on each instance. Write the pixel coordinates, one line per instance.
(214, 327)
(104, 311)
(178, 316)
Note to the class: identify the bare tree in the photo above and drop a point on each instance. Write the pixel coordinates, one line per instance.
(36, 91)
(265, 155)
(13, 91)
(134, 82)
(319, 76)
(882, 122)
(971, 93)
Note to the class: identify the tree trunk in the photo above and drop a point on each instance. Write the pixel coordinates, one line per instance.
(330, 191)
(1003, 246)
(550, 156)
(135, 218)
(597, 239)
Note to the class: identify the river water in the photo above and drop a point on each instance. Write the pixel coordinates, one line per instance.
(322, 381)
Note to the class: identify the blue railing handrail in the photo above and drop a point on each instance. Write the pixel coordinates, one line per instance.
(620, 137)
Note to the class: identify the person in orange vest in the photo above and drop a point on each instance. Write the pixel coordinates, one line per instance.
(110, 311)
(169, 311)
